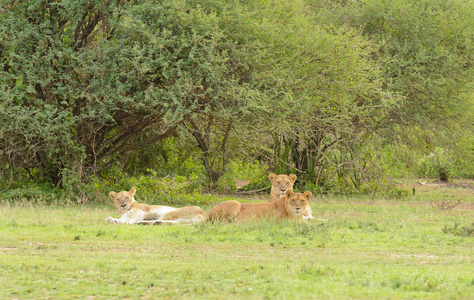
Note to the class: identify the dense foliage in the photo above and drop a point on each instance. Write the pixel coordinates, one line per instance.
(339, 92)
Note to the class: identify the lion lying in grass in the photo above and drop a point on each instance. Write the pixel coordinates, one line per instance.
(281, 184)
(290, 206)
(141, 213)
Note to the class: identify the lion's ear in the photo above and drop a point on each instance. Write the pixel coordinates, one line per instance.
(112, 195)
(272, 177)
(292, 177)
(289, 193)
(133, 191)
(308, 195)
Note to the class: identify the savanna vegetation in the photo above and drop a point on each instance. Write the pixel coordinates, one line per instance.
(348, 95)
(367, 249)
(183, 98)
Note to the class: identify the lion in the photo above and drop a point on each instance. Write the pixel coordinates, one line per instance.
(290, 206)
(282, 183)
(141, 213)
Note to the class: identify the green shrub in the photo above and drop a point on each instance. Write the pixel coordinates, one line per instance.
(153, 189)
(438, 164)
(464, 160)
(37, 193)
(255, 172)
(313, 188)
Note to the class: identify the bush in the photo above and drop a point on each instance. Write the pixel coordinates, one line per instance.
(313, 188)
(465, 157)
(34, 193)
(255, 172)
(437, 164)
(152, 189)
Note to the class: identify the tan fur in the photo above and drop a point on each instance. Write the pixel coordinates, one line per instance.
(286, 208)
(141, 213)
(282, 183)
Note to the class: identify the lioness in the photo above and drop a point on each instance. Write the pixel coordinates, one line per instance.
(141, 213)
(286, 208)
(282, 183)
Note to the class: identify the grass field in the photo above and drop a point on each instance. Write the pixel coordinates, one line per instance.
(369, 248)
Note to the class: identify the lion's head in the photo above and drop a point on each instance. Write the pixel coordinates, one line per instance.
(281, 183)
(123, 200)
(297, 202)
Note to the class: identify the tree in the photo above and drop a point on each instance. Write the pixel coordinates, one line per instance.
(424, 48)
(80, 80)
(325, 90)
(86, 83)
(425, 52)
(46, 101)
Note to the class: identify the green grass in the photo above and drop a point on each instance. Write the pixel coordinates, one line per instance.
(368, 249)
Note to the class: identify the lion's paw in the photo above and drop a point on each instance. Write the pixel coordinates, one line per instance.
(110, 220)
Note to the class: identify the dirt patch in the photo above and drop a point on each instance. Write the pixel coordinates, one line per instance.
(455, 184)
(465, 184)
(454, 189)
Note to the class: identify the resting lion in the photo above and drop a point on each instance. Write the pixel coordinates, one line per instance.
(290, 206)
(141, 213)
(281, 184)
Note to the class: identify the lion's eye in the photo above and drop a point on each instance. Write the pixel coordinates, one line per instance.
(293, 201)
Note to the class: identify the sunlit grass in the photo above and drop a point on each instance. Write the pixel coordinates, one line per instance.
(367, 249)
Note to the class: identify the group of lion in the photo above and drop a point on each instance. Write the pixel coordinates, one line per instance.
(284, 204)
